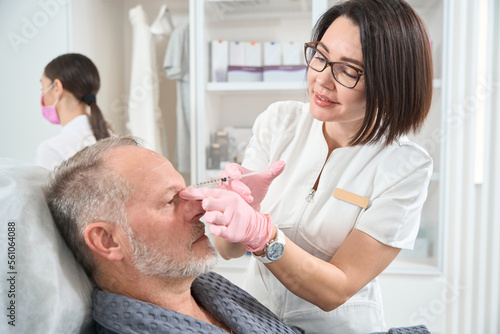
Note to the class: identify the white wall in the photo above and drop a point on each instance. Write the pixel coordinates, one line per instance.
(32, 33)
(97, 32)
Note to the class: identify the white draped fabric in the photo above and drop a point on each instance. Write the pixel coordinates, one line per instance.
(145, 117)
(176, 66)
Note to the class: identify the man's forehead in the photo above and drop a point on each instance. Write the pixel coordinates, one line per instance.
(135, 155)
(126, 159)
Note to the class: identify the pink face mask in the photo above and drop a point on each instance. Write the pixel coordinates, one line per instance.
(50, 112)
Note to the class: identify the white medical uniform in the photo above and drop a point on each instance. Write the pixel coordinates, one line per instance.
(394, 178)
(74, 136)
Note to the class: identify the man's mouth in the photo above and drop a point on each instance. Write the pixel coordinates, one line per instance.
(199, 233)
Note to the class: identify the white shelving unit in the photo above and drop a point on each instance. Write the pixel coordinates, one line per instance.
(215, 102)
(257, 87)
(220, 104)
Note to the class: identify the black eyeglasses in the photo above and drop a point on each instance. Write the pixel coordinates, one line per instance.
(345, 74)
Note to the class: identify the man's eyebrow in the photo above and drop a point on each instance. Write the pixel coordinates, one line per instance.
(172, 189)
(346, 59)
(167, 194)
(175, 189)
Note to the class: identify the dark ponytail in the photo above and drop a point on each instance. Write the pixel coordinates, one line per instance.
(80, 77)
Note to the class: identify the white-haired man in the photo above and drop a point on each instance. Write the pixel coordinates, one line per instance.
(117, 206)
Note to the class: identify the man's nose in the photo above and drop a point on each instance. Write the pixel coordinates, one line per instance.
(192, 209)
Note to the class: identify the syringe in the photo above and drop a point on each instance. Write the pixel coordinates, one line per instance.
(225, 179)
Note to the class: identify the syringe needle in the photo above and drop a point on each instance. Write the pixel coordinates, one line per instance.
(255, 173)
(226, 178)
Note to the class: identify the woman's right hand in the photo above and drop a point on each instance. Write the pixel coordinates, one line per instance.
(253, 188)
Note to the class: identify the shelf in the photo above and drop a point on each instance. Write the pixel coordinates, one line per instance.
(225, 87)
(237, 11)
(262, 86)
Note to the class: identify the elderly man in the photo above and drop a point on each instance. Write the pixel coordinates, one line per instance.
(117, 206)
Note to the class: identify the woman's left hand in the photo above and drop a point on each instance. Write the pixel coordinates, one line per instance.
(231, 218)
(253, 188)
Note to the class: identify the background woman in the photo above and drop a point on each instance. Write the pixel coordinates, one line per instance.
(70, 83)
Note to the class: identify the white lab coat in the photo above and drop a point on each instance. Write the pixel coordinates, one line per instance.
(74, 136)
(394, 178)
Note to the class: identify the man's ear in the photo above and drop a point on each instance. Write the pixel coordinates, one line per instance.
(102, 239)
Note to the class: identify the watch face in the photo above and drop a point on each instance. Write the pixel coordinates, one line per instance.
(275, 251)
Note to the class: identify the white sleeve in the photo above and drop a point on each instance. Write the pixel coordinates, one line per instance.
(47, 157)
(393, 214)
(273, 130)
(257, 153)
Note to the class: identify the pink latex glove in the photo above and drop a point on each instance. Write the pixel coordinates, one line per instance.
(231, 218)
(253, 188)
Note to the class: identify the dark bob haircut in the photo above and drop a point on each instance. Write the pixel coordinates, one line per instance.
(398, 66)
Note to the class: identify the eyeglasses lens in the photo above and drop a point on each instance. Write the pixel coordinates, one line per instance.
(344, 74)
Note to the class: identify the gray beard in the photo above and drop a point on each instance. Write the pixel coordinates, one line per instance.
(150, 261)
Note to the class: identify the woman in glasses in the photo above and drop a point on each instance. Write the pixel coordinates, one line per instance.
(352, 192)
(69, 86)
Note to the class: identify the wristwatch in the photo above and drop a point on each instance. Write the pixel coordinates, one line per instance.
(274, 249)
